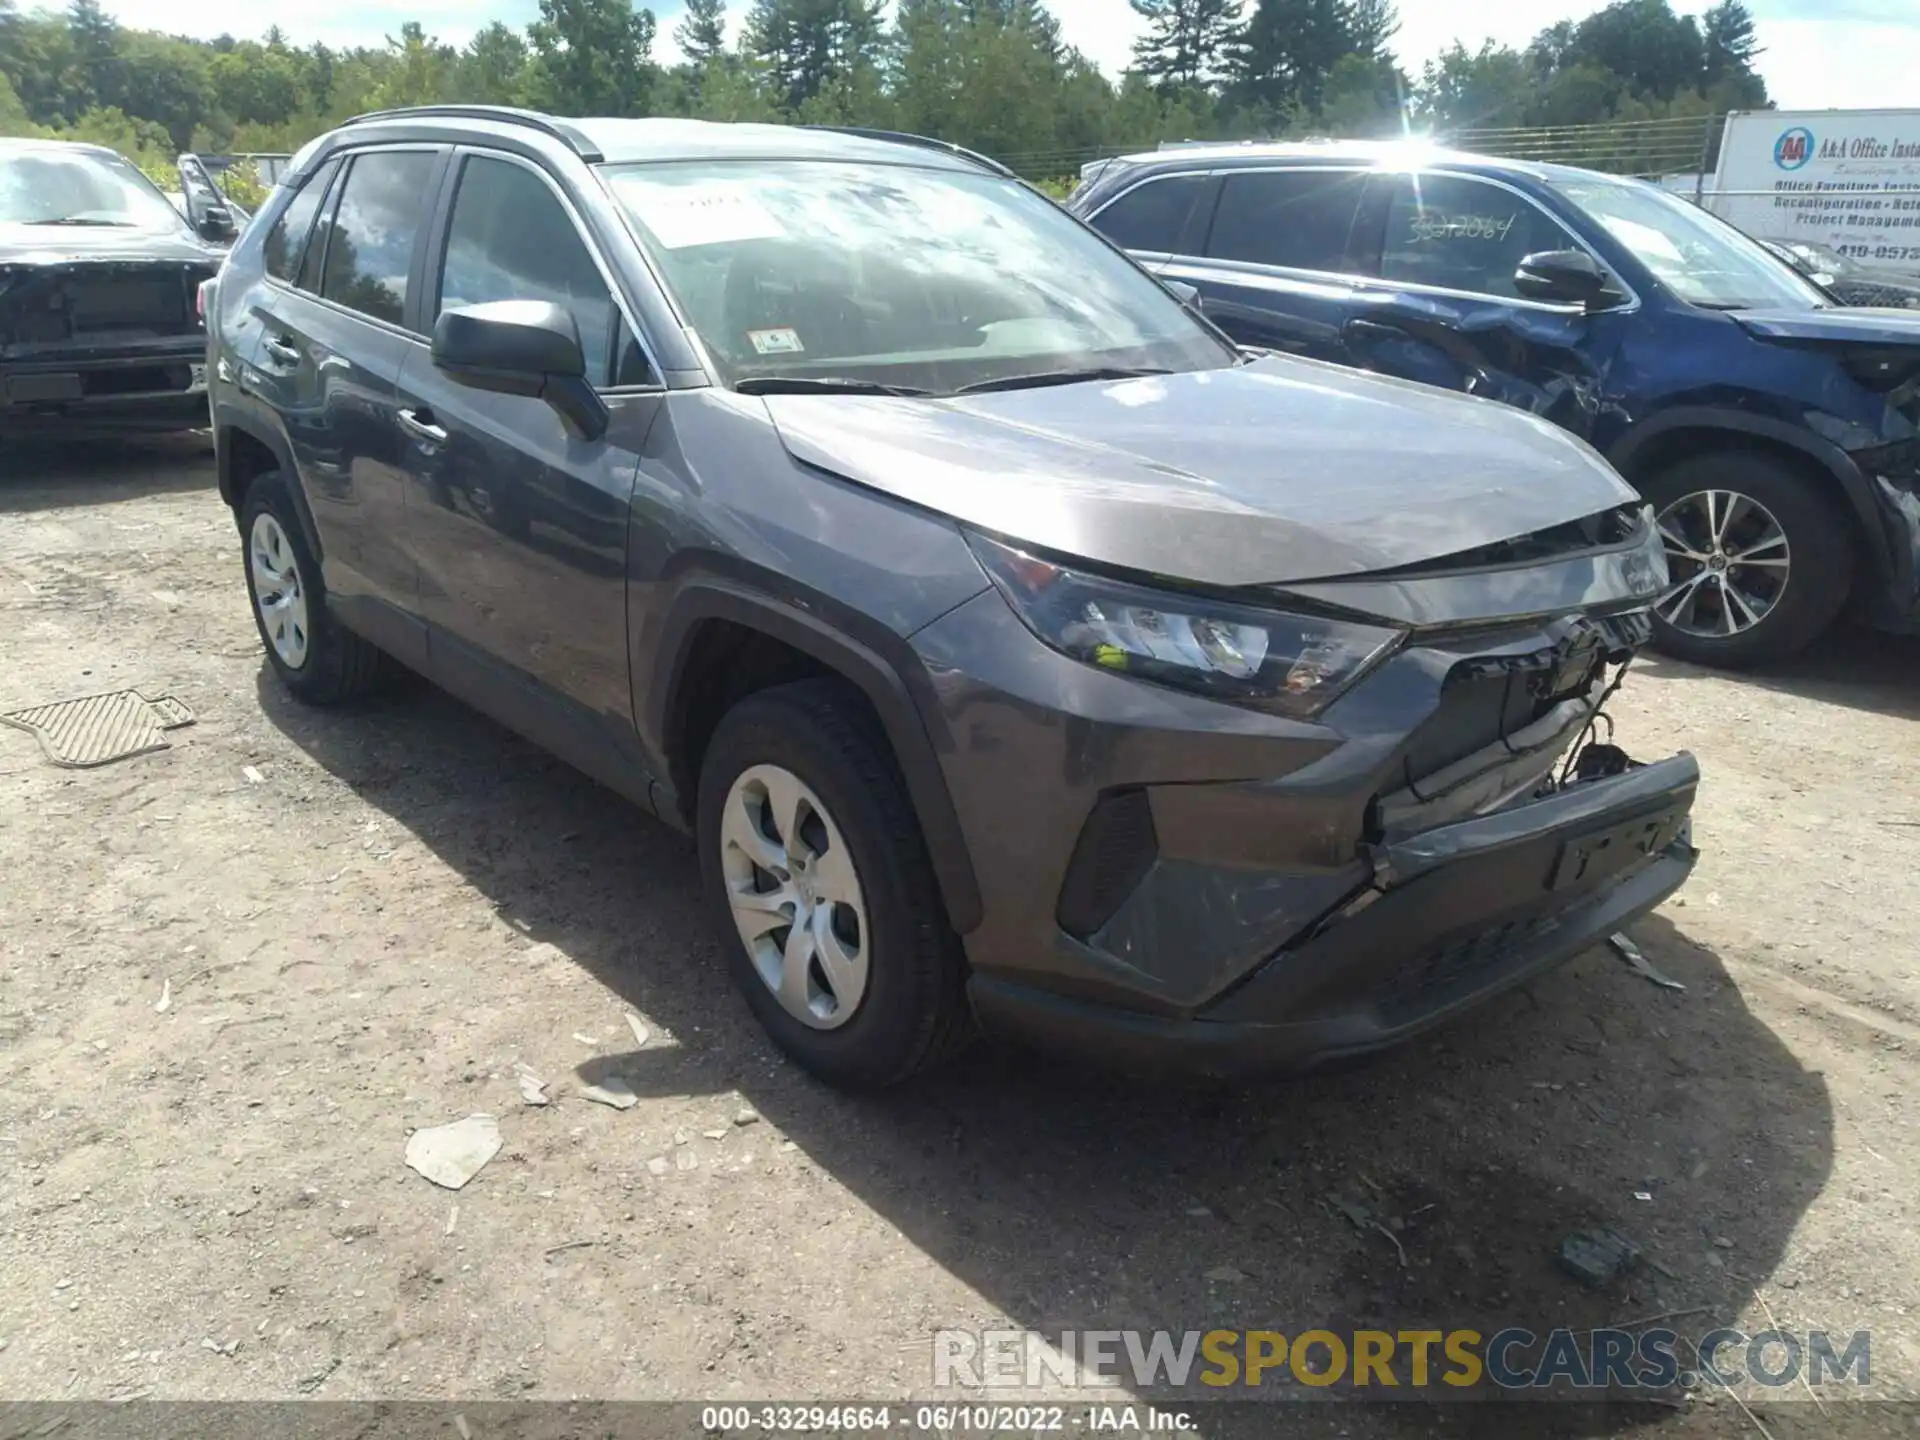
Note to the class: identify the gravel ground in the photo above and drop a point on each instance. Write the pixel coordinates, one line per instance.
(368, 921)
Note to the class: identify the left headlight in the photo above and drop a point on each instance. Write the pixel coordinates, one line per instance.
(1295, 664)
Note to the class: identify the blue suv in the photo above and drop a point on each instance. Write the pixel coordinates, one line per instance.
(1777, 436)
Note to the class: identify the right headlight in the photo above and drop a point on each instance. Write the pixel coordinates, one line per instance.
(1295, 664)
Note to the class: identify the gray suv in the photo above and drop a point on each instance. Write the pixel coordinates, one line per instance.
(1015, 648)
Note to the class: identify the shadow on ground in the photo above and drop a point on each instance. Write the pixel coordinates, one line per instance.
(1859, 668)
(1073, 1200)
(38, 474)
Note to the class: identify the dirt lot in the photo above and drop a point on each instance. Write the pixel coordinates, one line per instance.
(210, 1200)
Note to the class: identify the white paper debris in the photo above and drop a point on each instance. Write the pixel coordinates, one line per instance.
(451, 1155)
(611, 1091)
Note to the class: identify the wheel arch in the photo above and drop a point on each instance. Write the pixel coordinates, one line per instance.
(1681, 434)
(722, 640)
(244, 450)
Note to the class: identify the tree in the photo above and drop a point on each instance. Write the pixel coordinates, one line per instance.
(493, 68)
(1729, 49)
(1655, 52)
(420, 69)
(1185, 39)
(1463, 91)
(702, 34)
(809, 45)
(591, 57)
(1280, 62)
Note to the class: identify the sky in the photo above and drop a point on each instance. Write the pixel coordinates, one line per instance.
(1820, 54)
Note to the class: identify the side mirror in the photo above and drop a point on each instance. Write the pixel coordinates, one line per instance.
(205, 206)
(1187, 295)
(521, 347)
(216, 224)
(1571, 277)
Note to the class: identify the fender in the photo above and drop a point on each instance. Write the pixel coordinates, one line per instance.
(884, 667)
(229, 418)
(1850, 480)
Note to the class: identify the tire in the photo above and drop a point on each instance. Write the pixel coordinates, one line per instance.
(1817, 546)
(911, 1011)
(331, 664)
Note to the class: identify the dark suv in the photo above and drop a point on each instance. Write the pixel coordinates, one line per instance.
(1775, 434)
(1013, 645)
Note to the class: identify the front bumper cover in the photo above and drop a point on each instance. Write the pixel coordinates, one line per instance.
(1452, 917)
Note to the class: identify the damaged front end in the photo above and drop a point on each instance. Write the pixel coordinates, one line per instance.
(101, 344)
(1474, 821)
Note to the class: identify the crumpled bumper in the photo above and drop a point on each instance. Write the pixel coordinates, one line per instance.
(1452, 917)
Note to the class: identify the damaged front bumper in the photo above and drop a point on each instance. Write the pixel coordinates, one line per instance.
(1171, 880)
(143, 384)
(1450, 918)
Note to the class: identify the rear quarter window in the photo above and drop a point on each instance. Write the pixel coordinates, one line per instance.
(1151, 216)
(287, 241)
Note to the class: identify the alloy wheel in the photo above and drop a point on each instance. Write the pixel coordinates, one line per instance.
(1729, 562)
(277, 591)
(795, 896)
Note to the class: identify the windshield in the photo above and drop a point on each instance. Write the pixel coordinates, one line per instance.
(799, 272)
(1697, 256)
(79, 187)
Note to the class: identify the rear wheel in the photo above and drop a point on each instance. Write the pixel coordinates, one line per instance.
(1759, 559)
(316, 658)
(822, 891)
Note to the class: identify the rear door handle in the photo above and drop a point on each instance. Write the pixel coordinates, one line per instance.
(419, 424)
(282, 351)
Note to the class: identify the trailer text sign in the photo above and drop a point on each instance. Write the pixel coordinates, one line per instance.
(1845, 178)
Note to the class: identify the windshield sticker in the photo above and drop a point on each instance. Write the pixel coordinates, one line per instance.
(1435, 225)
(776, 342)
(681, 217)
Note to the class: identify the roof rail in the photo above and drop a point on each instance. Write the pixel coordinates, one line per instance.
(925, 142)
(506, 114)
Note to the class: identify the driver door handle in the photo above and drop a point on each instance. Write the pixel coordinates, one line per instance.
(280, 351)
(419, 424)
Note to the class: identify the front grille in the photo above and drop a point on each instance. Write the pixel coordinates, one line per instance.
(1474, 712)
(94, 304)
(154, 303)
(1116, 848)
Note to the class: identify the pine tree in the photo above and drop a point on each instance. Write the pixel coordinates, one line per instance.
(810, 45)
(1184, 40)
(702, 34)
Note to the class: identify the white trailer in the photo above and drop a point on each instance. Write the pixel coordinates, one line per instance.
(1845, 178)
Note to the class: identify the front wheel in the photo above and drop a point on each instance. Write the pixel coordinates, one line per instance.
(316, 658)
(1759, 560)
(822, 890)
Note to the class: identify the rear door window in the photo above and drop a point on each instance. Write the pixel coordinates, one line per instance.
(1153, 215)
(1298, 219)
(374, 229)
(1455, 232)
(287, 240)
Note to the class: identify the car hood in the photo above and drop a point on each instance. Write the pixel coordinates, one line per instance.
(1875, 327)
(1279, 470)
(92, 244)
